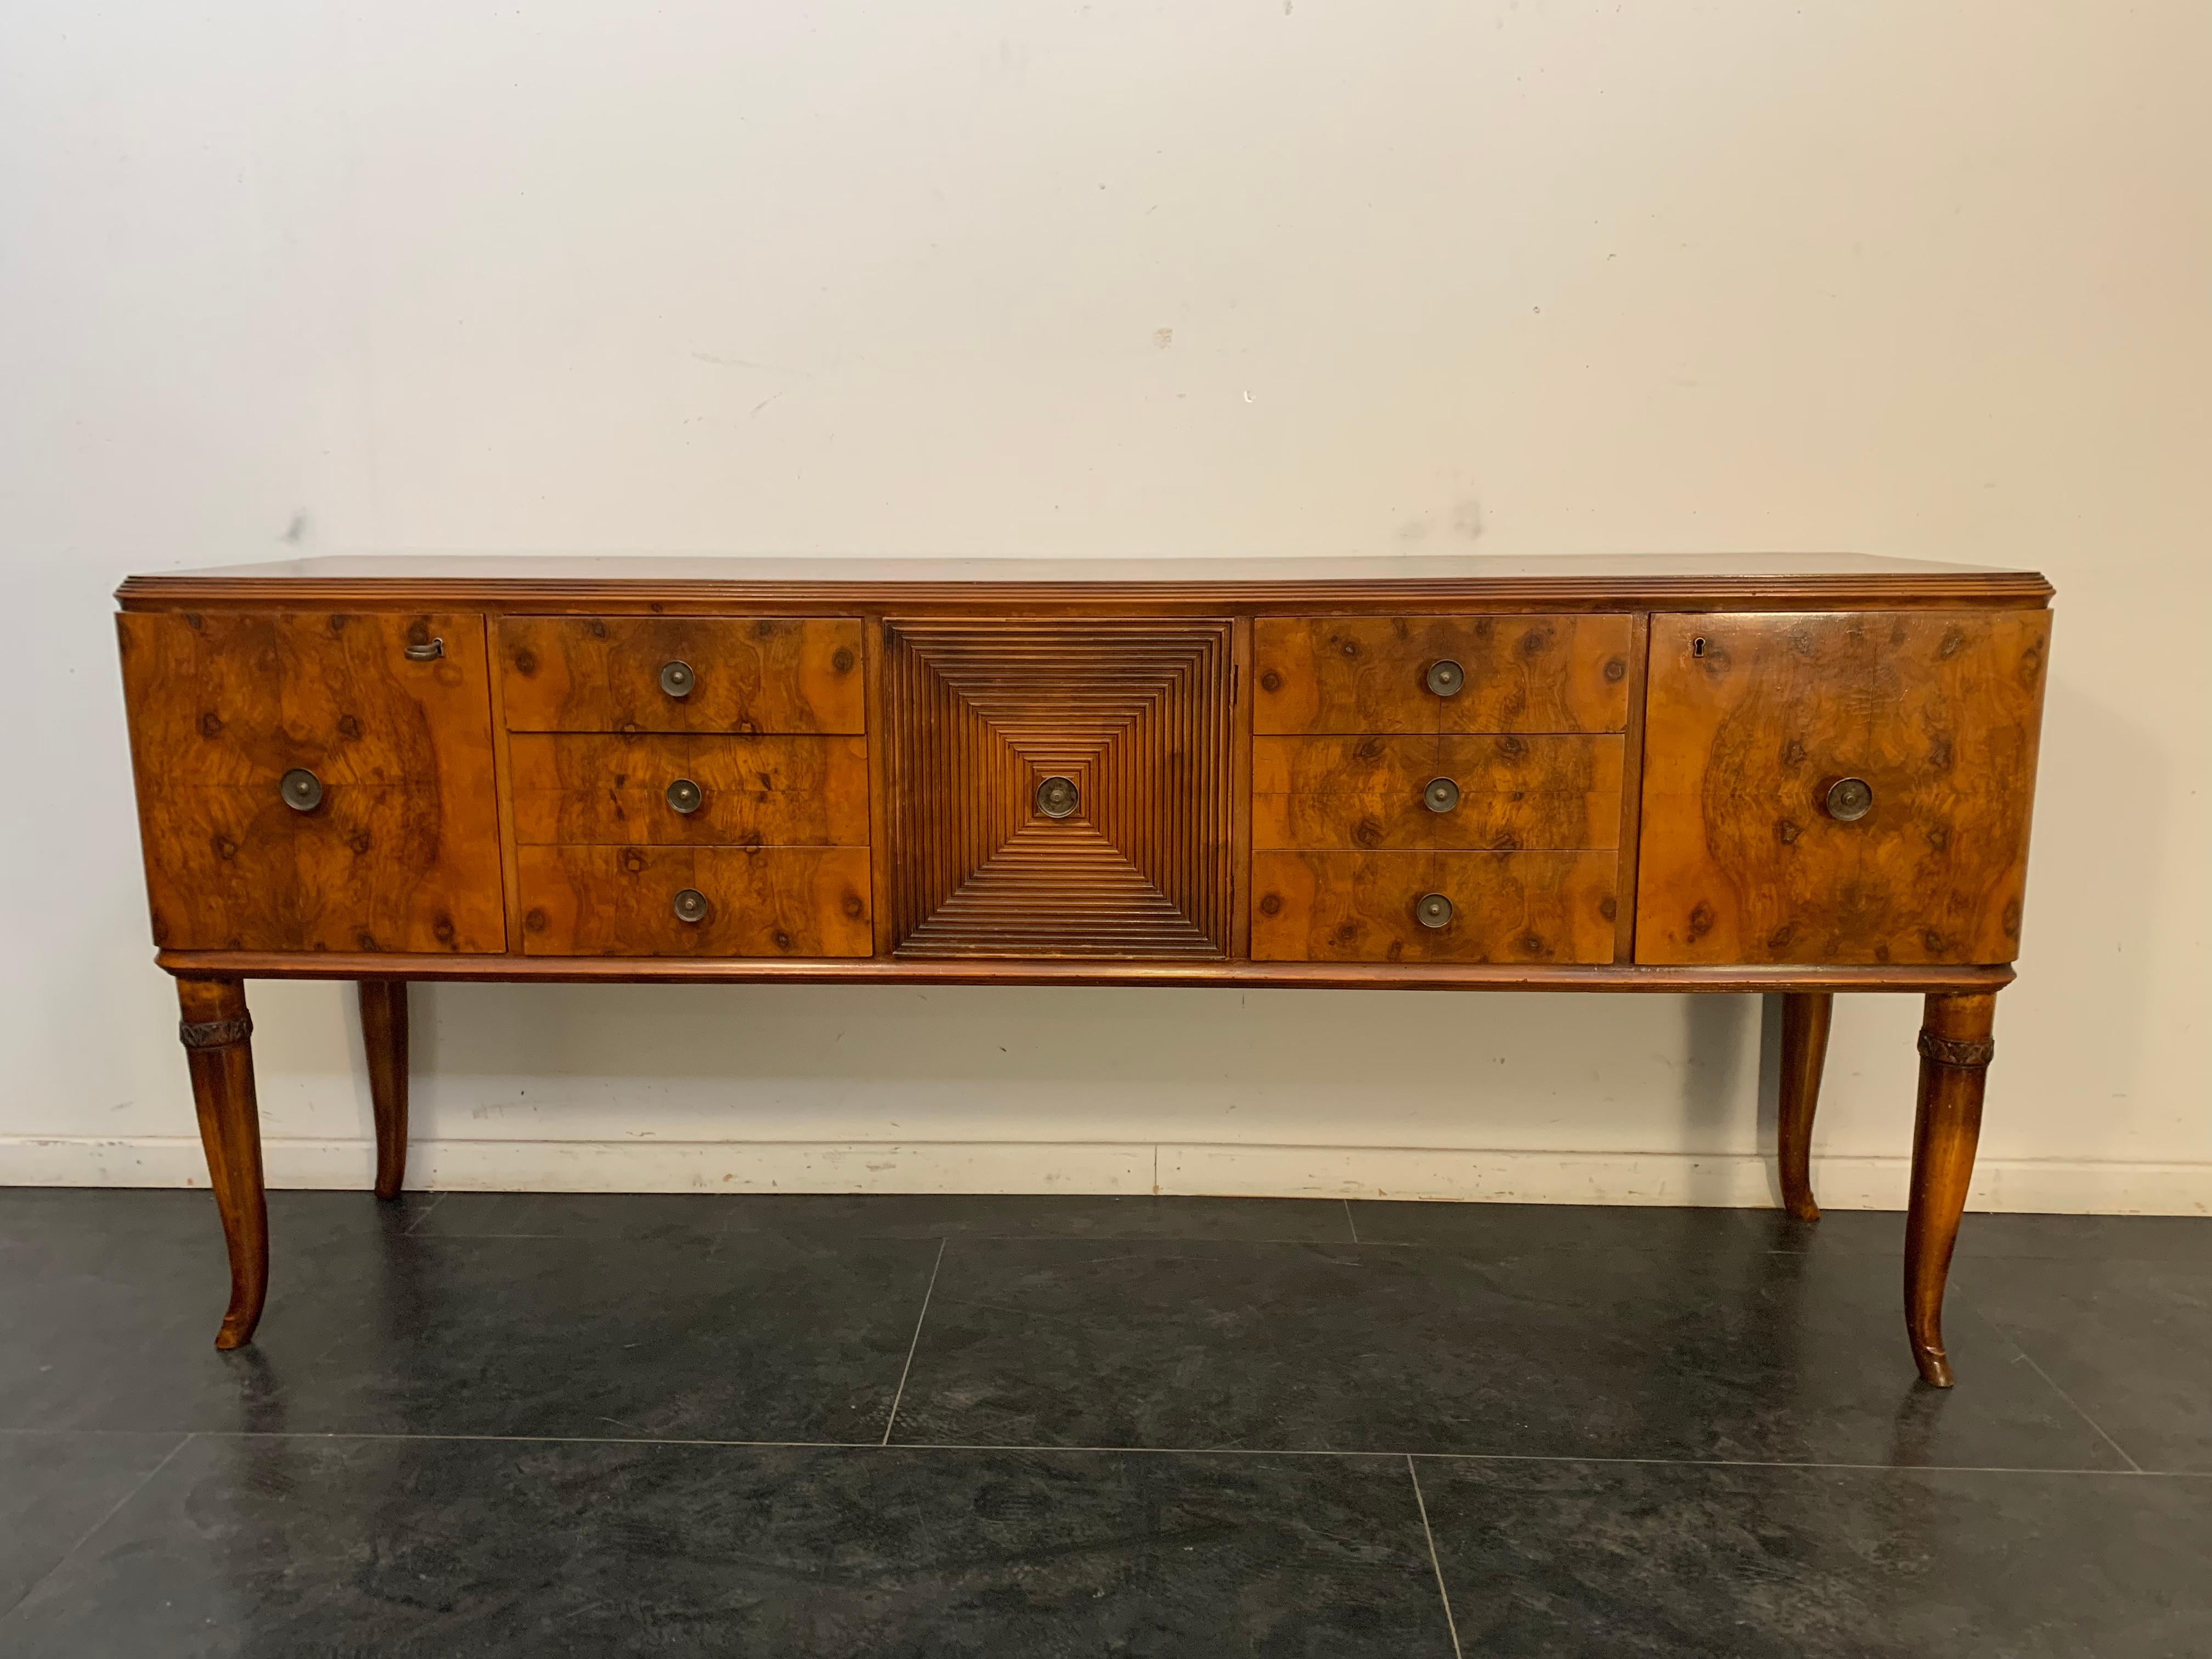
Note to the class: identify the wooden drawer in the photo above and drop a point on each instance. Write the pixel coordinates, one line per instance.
(1751, 721)
(397, 847)
(1360, 907)
(759, 674)
(1541, 792)
(766, 902)
(1369, 674)
(585, 789)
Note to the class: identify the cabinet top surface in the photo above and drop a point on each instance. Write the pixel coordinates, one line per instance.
(1681, 578)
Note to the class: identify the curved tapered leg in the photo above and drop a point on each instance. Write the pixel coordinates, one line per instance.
(216, 1033)
(384, 1035)
(1955, 1060)
(1805, 1017)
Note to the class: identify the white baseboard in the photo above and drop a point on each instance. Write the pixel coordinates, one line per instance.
(1743, 1180)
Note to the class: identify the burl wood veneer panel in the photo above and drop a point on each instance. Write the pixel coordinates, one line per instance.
(590, 789)
(1535, 791)
(401, 852)
(1750, 721)
(751, 674)
(1506, 907)
(1135, 712)
(1368, 674)
(760, 901)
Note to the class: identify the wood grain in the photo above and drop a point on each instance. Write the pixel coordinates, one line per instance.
(1368, 674)
(1539, 792)
(1609, 976)
(1805, 1016)
(503, 781)
(770, 901)
(402, 854)
(384, 1045)
(585, 585)
(1135, 712)
(1358, 907)
(1955, 1046)
(1630, 839)
(607, 790)
(1740, 861)
(217, 1033)
(753, 674)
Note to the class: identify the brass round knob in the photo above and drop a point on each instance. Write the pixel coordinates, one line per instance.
(691, 905)
(1850, 799)
(1441, 796)
(1058, 797)
(302, 789)
(1433, 910)
(684, 795)
(677, 678)
(1446, 677)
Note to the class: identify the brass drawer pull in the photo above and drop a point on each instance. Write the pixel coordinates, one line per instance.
(1850, 799)
(677, 678)
(429, 653)
(1058, 798)
(302, 789)
(691, 905)
(1433, 910)
(1446, 677)
(685, 796)
(1441, 796)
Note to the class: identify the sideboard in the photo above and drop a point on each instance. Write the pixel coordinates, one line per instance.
(1793, 775)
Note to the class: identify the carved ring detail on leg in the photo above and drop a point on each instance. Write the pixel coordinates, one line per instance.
(1956, 1051)
(214, 1033)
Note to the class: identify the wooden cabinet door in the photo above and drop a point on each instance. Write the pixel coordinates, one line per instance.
(1753, 721)
(400, 849)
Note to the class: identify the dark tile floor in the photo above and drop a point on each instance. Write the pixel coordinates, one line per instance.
(524, 1424)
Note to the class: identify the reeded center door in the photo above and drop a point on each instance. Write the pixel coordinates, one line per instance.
(1059, 787)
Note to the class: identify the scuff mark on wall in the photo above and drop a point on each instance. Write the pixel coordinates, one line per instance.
(1467, 523)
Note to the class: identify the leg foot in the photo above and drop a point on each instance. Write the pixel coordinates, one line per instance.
(1954, 1059)
(384, 1036)
(1805, 1016)
(217, 1034)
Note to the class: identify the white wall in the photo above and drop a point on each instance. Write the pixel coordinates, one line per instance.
(887, 278)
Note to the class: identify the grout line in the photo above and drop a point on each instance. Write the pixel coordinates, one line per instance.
(1168, 1451)
(2078, 1412)
(1349, 1221)
(87, 1536)
(911, 1346)
(1764, 1463)
(1450, 1623)
(539, 1439)
(414, 1226)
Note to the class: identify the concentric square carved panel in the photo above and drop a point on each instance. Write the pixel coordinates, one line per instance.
(1135, 714)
